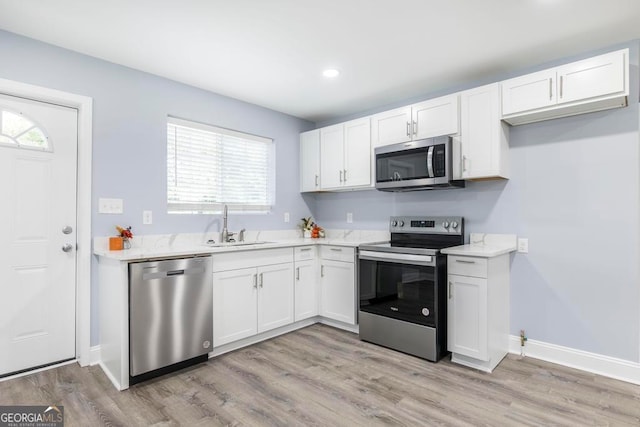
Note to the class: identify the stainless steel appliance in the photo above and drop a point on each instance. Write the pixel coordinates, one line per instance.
(170, 315)
(425, 164)
(402, 285)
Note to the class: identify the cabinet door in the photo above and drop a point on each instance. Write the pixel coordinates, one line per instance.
(310, 161)
(467, 317)
(306, 290)
(483, 136)
(599, 76)
(332, 156)
(275, 296)
(529, 92)
(357, 153)
(337, 287)
(391, 127)
(436, 117)
(234, 305)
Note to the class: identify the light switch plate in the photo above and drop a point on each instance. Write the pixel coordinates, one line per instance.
(147, 217)
(523, 246)
(110, 206)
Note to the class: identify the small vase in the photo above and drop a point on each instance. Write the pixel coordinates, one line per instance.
(306, 234)
(126, 243)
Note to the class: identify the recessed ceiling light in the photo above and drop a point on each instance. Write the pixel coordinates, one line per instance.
(331, 73)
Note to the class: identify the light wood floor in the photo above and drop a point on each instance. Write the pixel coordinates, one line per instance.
(326, 377)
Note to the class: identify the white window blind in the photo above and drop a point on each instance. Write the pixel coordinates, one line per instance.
(208, 167)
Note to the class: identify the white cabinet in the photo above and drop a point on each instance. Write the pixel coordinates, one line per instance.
(306, 289)
(593, 84)
(310, 161)
(435, 117)
(483, 136)
(337, 284)
(478, 310)
(345, 151)
(251, 294)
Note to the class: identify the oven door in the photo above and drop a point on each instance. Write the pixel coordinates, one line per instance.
(399, 286)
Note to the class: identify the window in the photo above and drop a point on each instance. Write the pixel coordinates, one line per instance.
(208, 167)
(18, 131)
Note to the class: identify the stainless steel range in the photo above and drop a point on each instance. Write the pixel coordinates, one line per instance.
(402, 285)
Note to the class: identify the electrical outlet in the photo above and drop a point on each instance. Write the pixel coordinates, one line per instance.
(287, 218)
(147, 217)
(110, 206)
(523, 246)
(349, 217)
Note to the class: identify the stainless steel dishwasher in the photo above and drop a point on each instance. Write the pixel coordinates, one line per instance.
(170, 315)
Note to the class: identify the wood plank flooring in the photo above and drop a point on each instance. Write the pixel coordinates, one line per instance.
(321, 376)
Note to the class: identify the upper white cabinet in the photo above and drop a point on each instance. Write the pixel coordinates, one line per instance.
(484, 145)
(345, 151)
(593, 84)
(426, 119)
(310, 161)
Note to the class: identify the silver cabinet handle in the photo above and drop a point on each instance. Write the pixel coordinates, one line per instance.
(255, 281)
(408, 129)
(415, 127)
(345, 175)
(67, 247)
(316, 180)
(322, 271)
(464, 261)
(261, 280)
(550, 88)
(297, 273)
(561, 84)
(305, 249)
(340, 176)
(450, 289)
(336, 249)
(464, 163)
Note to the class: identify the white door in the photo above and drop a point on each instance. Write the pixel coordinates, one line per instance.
(310, 161)
(306, 291)
(275, 296)
(467, 316)
(332, 156)
(391, 127)
(337, 285)
(235, 310)
(529, 92)
(38, 162)
(436, 117)
(357, 153)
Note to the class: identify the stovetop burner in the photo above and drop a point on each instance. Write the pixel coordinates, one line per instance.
(421, 235)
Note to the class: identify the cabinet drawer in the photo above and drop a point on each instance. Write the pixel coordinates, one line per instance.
(256, 258)
(337, 253)
(303, 253)
(467, 266)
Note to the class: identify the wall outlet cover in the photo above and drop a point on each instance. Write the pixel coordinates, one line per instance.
(349, 217)
(523, 245)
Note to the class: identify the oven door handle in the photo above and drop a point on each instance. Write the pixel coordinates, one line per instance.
(398, 258)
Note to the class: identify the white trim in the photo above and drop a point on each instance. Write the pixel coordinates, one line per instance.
(591, 362)
(94, 355)
(84, 105)
(34, 371)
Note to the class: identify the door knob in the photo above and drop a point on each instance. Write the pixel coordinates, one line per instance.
(67, 230)
(67, 247)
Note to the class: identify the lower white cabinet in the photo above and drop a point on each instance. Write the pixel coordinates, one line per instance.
(306, 283)
(251, 300)
(478, 310)
(337, 284)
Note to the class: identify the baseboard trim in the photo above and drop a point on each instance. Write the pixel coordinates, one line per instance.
(607, 366)
(94, 355)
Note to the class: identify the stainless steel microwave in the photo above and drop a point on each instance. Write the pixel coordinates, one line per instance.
(426, 164)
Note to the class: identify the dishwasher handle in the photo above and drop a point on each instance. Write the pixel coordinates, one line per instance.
(172, 273)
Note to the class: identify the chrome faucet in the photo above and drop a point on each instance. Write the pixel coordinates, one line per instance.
(225, 232)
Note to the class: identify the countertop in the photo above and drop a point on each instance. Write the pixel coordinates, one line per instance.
(169, 246)
(485, 245)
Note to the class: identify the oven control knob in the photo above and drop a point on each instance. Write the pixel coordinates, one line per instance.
(394, 223)
(445, 224)
(401, 223)
(454, 225)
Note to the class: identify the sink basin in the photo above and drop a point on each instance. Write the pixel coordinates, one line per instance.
(234, 244)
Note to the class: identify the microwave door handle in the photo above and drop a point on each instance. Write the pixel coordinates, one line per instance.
(430, 161)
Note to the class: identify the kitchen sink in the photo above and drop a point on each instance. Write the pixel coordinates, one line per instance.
(234, 244)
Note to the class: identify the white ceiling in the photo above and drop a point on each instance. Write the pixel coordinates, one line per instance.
(272, 52)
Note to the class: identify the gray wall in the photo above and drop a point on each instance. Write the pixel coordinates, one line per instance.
(129, 138)
(574, 192)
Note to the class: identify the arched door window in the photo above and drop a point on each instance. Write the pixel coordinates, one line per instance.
(18, 131)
